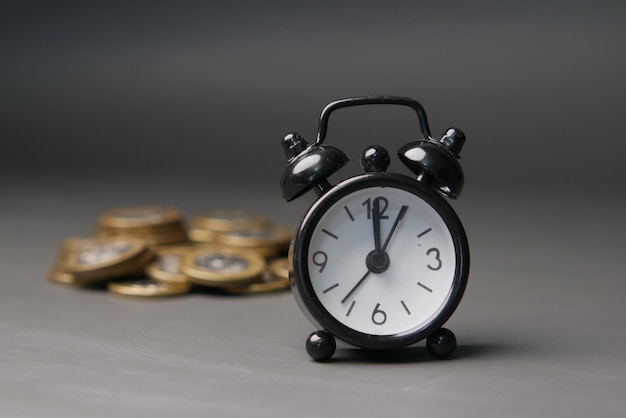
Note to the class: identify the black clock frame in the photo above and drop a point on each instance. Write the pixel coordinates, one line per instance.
(301, 282)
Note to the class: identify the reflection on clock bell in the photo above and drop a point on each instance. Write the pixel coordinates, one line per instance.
(436, 162)
(308, 166)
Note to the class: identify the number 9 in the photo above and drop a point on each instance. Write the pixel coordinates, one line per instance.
(320, 259)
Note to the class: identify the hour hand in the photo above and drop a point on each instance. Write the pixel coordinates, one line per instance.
(376, 221)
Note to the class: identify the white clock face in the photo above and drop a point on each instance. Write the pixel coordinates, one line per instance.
(409, 275)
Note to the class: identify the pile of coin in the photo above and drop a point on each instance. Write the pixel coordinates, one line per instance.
(144, 251)
(152, 224)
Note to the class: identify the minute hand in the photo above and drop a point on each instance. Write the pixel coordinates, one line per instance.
(395, 224)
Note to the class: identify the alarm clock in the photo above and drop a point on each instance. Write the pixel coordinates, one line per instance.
(380, 260)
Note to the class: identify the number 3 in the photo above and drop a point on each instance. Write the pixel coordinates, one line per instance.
(437, 259)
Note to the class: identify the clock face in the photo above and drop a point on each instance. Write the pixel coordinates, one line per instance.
(384, 257)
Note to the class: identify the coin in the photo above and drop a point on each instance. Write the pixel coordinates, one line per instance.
(148, 288)
(170, 233)
(101, 259)
(262, 287)
(139, 216)
(280, 268)
(167, 267)
(74, 243)
(258, 237)
(217, 266)
(158, 239)
(276, 278)
(144, 230)
(103, 252)
(269, 242)
(229, 220)
(57, 275)
(201, 235)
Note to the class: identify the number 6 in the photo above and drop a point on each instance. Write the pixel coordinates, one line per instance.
(381, 320)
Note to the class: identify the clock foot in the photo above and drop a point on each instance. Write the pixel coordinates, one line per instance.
(441, 343)
(321, 345)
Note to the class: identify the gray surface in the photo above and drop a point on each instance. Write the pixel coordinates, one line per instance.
(541, 328)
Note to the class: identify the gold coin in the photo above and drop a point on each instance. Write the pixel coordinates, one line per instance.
(148, 288)
(174, 237)
(259, 237)
(229, 220)
(95, 277)
(59, 274)
(272, 282)
(263, 287)
(201, 235)
(166, 269)
(216, 266)
(158, 248)
(101, 252)
(56, 275)
(160, 239)
(280, 268)
(74, 243)
(145, 230)
(267, 252)
(104, 259)
(139, 216)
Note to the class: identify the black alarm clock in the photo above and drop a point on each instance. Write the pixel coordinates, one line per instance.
(380, 260)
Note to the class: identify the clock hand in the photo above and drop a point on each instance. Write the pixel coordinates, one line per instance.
(376, 221)
(346, 297)
(395, 224)
(381, 251)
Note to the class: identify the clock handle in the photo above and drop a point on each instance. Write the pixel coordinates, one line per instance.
(367, 100)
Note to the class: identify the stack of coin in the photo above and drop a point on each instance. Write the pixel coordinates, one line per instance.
(270, 241)
(232, 260)
(152, 224)
(205, 227)
(93, 261)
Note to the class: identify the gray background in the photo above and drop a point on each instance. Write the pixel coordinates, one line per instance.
(106, 104)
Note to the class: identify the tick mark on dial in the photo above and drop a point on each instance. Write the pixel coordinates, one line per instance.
(330, 233)
(423, 286)
(330, 288)
(424, 233)
(349, 213)
(405, 307)
(350, 308)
